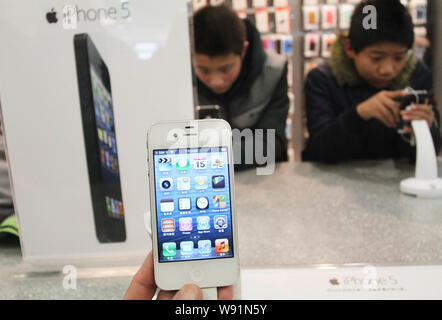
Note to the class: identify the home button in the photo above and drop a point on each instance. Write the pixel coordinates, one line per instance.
(197, 275)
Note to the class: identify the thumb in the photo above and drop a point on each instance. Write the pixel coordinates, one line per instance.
(189, 292)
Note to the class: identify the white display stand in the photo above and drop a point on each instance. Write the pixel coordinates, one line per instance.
(146, 47)
(426, 183)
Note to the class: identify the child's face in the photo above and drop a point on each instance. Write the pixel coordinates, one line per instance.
(217, 73)
(379, 64)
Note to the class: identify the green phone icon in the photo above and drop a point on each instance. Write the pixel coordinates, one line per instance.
(183, 164)
(169, 249)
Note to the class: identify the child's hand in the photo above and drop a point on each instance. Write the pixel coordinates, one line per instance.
(383, 107)
(418, 112)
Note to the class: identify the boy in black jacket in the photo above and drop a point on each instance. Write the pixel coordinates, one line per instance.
(351, 106)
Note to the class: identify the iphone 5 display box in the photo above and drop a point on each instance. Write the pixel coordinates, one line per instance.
(80, 85)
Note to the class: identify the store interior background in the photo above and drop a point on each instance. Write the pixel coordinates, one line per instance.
(289, 39)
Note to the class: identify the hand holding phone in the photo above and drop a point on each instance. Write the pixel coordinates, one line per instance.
(415, 106)
(382, 106)
(143, 287)
(417, 112)
(192, 203)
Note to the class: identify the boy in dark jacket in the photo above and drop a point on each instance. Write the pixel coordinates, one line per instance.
(351, 101)
(234, 72)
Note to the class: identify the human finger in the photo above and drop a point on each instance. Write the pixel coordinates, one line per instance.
(384, 115)
(189, 292)
(395, 94)
(166, 295)
(419, 113)
(142, 286)
(225, 293)
(392, 106)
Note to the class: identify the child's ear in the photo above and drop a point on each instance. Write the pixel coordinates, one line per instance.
(349, 50)
(244, 49)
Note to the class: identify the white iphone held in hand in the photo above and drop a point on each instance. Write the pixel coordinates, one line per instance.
(191, 179)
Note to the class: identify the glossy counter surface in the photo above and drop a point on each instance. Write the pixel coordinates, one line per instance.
(303, 215)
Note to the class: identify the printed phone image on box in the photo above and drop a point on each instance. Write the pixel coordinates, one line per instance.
(329, 16)
(345, 13)
(311, 45)
(100, 141)
(327, 40)
(311, 17)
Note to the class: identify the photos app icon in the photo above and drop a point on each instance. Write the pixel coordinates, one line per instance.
(218, 182)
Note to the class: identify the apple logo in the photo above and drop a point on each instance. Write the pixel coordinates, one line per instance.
(51, 16)
(334, 282)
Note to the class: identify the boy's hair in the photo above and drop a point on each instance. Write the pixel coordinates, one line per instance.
(218, 31)
(394, 24)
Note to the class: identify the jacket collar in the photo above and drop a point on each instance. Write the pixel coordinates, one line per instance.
(345, 72)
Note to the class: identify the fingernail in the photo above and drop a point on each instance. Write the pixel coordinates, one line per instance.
(188, 292)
